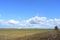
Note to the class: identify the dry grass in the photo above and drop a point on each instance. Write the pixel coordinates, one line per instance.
(13, 34)
(50, 35)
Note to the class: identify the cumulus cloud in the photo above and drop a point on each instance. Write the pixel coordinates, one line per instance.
(42, 22)
(13, 22)
(34, 22)
(57, 21)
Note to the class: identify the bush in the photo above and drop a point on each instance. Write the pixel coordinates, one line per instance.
(56, 27)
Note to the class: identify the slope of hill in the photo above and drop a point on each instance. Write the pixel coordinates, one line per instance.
(53, 35)
(29, 34)
(13, 34)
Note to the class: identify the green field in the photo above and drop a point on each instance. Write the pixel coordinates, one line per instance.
(16, 33)
(29, 34)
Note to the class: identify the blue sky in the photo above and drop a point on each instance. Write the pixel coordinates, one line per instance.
(22, 10)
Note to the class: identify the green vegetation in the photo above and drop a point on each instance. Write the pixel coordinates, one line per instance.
(16, 33)
(56, 28)
(29, 34)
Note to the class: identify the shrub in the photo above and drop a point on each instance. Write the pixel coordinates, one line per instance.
(56, 27)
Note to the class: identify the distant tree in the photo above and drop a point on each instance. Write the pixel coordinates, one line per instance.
(56, 28)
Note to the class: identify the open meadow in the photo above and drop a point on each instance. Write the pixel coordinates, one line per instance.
(14, 34)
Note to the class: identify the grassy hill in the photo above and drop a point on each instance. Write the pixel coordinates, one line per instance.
(50, 35)
(28, 34)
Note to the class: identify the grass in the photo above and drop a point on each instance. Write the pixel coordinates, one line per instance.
(16, 33)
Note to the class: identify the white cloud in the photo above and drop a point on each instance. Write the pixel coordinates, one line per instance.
(13, 22)
(57, 21)
(42, 21)
(34, 22)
